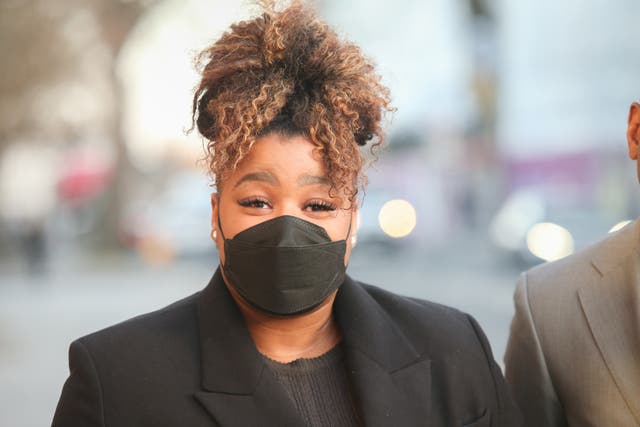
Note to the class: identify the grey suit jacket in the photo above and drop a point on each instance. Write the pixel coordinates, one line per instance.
(573, 357)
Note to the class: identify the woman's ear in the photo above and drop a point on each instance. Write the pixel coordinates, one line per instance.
(633, 131)
(355, 218)
(355, 224)
(214, 211)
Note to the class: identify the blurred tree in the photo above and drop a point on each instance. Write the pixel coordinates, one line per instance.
(117, 19)
(48, 49)
(34, 54)
(482, 7)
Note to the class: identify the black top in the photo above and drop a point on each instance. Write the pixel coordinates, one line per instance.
(319, 388)
(193, 363)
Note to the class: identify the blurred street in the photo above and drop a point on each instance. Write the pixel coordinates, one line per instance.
(39, 317)
(508, 147)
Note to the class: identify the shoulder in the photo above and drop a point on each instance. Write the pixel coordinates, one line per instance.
(460, 357)
(565, 276)
(155, 355)
(414, 309)
(431, 327)
(172, 324)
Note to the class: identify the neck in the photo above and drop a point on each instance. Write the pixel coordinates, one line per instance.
(287, 338)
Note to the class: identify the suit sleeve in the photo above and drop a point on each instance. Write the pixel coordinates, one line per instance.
(80, 403)
(507, 413)
(526, 368)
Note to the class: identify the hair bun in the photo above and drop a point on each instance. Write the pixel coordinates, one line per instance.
(287, 71)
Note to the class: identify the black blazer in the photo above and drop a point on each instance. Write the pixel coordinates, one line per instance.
(193, 363)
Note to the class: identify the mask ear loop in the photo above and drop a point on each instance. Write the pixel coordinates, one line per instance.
(220, 224)
(220, 227)
(348, 231)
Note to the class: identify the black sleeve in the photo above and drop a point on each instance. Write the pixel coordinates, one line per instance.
(80, 403)
(508, 414)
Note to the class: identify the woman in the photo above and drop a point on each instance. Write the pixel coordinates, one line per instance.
(281, 336)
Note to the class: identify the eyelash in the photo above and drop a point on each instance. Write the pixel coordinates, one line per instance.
(315, 205)
(253, 202)
(320, 205)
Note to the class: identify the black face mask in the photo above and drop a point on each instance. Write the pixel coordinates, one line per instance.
(285, 265)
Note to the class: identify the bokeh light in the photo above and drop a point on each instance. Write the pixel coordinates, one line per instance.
(619, 226)
(397, 218)
(550, 241)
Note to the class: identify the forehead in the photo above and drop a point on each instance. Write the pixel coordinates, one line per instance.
(287, 157)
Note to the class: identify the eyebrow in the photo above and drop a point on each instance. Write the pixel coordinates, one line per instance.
(264, 176)
(311, 180)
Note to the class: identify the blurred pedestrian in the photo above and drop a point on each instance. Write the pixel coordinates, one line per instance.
(28, 172)
(573, 357)
(281, 336)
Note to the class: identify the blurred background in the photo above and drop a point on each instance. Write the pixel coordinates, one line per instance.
(507, 150)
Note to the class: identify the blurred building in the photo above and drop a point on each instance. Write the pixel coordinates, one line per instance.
(492, 96)
(567, 74)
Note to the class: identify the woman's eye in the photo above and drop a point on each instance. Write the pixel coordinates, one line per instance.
(254, 203)
(319, 206)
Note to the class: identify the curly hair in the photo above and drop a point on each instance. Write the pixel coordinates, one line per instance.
(287, 72)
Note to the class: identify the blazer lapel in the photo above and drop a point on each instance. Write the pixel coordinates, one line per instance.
(391, 381)
(610, 303)
(238, 388)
